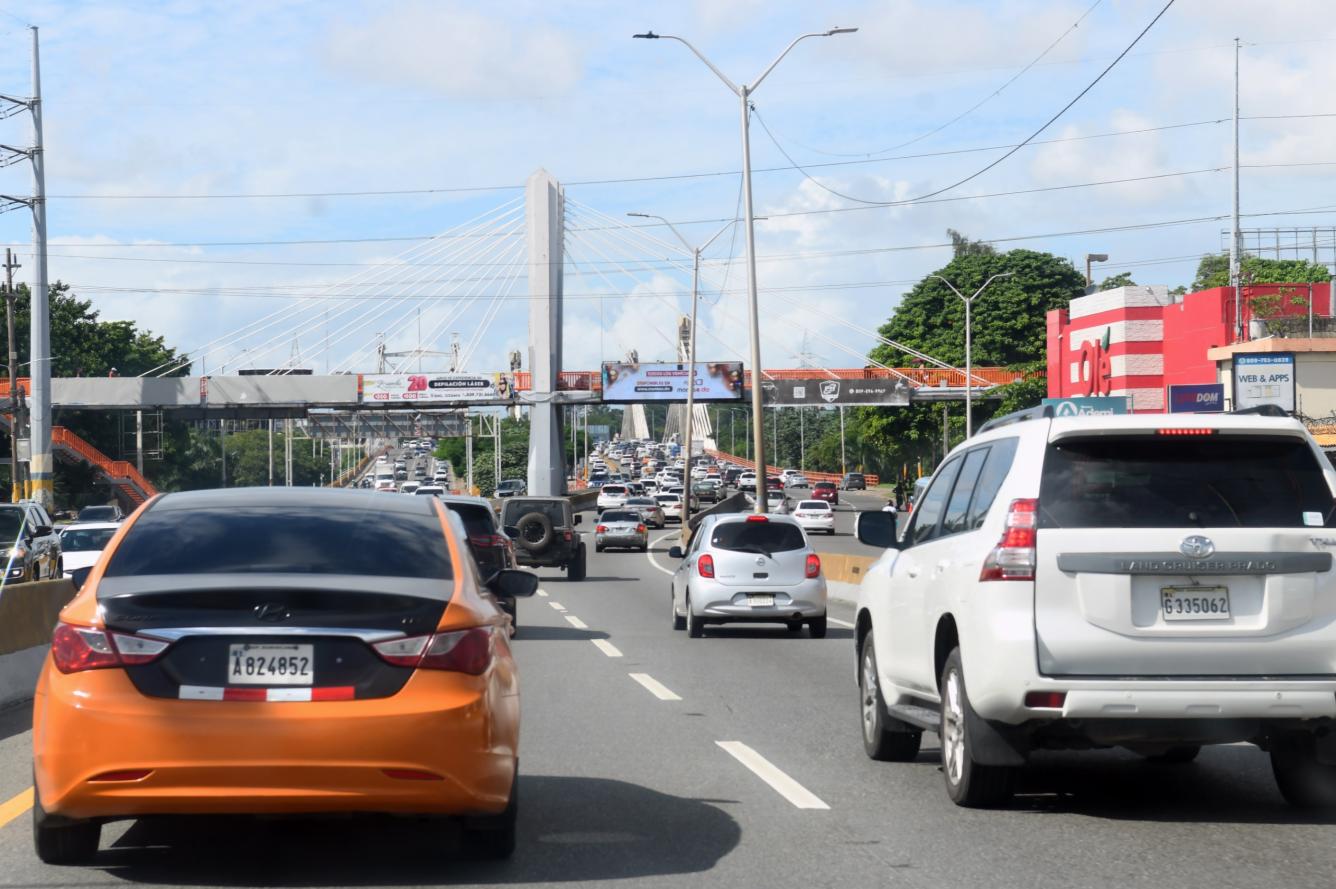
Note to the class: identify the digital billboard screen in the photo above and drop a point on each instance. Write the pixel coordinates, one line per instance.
(628, 382)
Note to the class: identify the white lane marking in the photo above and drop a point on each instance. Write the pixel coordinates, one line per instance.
(655, 687)
(543, 593)
(557, 606)
(606, 647)
(839, 623)
(768, 772)
(576, 622)
(649, 554)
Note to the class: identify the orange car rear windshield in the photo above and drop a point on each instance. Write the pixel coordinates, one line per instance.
(256, 539)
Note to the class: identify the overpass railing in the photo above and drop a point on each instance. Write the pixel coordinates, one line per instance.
(872, 479)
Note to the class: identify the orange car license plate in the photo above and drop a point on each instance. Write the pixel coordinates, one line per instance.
(270, 664)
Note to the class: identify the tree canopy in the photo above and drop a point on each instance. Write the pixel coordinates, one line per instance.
(1213, 271)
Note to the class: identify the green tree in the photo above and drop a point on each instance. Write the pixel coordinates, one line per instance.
(963, 246)
(1122, 279)
(1213, 271)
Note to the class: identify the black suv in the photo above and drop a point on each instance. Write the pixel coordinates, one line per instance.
(32, 546)
(543, 529)
(854, 481)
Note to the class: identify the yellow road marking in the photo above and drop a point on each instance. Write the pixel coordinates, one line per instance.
(13, 808)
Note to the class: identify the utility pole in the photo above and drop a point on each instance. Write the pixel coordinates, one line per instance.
(271, 452)
(40, 464)
(468, 456)
(844, 465)
(222, 438)
(1235, 246)
(287, 452)
(15, 420)
(139, 441)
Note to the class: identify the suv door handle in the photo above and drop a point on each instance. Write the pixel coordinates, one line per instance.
(912, 571)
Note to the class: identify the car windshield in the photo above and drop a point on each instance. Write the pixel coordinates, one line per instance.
(11, 523)
(86, 540)
(620, 515)
(1222, 481)
(765, 538)
(282, 540)
(668, 498)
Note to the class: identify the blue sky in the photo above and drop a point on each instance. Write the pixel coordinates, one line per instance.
(243, 98)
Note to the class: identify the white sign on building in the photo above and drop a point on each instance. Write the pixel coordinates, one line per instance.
(1264, 378)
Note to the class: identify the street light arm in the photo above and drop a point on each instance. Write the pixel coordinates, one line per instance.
(990, 281)
(779, 58)
(952, 286)
(650, 35)
(715, 236)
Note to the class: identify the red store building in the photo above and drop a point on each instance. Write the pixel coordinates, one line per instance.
(1138, 340)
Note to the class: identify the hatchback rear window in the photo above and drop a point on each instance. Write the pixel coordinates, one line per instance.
(819, 505)
(619, 515)
(825, 485)
(757, 537)
(283, 540)
(1218, 481)
(614, 489)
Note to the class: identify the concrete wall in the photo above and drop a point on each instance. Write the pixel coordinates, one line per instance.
(28, 613)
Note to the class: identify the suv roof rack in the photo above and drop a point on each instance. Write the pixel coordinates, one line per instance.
(1263, 410)
(1039, 412)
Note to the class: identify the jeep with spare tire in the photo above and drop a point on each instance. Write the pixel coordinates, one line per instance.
(543, 529)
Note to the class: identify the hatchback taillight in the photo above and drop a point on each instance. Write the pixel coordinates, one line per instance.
(1014, 556)
(460, 651)
(489, 540)
(75, 649)
(705, 565)
(813, 567)
(640, 529)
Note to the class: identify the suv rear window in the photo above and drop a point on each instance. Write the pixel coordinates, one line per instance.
(614, 489)
(283, 540)
(757, 537)
(1219, 481)
(477, 519)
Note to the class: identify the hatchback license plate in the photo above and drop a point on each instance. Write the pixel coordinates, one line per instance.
(270, 664)
(761, 601)
(1195, 603)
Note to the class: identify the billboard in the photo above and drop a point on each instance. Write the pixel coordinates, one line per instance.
(821, 391)
(628, 382)
(1266, 378)
(1091, 406)
(433, 387)
(1197, 399)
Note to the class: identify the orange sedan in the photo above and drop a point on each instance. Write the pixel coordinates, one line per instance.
(280, 650)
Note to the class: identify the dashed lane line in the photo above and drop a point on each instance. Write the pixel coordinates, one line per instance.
(15, 806)
(543, 593)
(557, 606)
(607, 647)
(655, 687)
(771, 774)
(576, 622)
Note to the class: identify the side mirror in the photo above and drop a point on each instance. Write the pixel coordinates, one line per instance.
(511, 531)
(41, 530)
(877, 529)
(511, 584)
(676, 553)
(578, 518)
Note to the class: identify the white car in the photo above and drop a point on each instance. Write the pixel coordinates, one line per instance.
(672, 506)
(747, 481)
(383, 484)
(612, 497)
(1156, 582)
(409, 487)
(815, 515)
(797, 480)
(81, 545)
(430, 490)
(697, 473)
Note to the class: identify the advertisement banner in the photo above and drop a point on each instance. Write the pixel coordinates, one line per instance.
(821, 391)
(434, 387)
(1197, 399)
(1267, 378)
(627, 382)
(1092, 406)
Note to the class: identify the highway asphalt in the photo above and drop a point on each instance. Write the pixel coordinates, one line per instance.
(729, 761)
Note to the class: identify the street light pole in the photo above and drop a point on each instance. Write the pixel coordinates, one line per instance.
(744, 92)
(691, 339)
(969, 363)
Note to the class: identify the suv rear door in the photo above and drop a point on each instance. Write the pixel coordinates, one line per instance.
(1172, 553)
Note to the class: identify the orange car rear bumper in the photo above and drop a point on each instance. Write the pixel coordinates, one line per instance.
(225, 757)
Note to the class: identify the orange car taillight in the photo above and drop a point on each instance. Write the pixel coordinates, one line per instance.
(601, 529)
(75, 649)
(460, 651)
(813, 567)
(1014, 556)
(705, 565)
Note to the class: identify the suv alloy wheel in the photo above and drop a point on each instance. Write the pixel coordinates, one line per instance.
(967, 782)
(884, 738)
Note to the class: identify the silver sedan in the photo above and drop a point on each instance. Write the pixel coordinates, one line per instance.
(624, 528)
(649, 510)
(749, 568)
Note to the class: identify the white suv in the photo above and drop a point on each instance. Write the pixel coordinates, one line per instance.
(612, 497)
(1155, 582)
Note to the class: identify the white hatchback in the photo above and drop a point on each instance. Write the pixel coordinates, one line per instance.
(815, 515)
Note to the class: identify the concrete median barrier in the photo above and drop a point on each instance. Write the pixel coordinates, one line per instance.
(28, 613)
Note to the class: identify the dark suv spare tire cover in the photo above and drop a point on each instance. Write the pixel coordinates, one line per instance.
(535, 531)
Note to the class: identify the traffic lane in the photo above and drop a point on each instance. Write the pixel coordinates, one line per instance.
(602, 799)
(795, 700)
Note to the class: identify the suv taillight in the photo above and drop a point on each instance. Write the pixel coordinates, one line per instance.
(75, 649)
(813, 567)
(1014, 556)
(705, 565)
(461, 651)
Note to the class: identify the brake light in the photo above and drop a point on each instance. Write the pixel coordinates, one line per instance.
(461, 651)
(489, 540)
(705, 565)
(813, 568)
(601, 529)
(640, 529)
(755, 517)
(75, 649)
(1014, 556)
(1185, 432)
(567, 535)
(1046, 700)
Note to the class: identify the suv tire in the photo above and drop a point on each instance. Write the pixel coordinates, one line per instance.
(884, 738)
(63, 843)
(1303, 781)
(695, 629)
(577, 570)
(967, 782)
